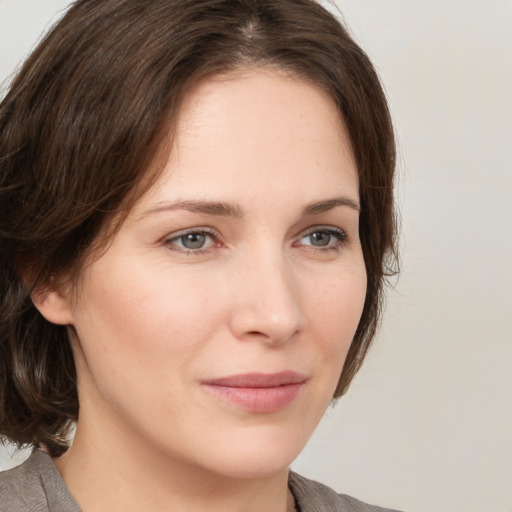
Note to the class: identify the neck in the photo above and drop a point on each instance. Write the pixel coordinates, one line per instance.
(146, 479)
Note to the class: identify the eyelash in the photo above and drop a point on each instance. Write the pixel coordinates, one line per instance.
(169, 242)
(338, 234)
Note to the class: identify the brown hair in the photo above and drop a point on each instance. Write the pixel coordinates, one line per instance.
(80, 127)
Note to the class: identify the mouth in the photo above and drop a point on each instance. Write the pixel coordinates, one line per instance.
(258, 392)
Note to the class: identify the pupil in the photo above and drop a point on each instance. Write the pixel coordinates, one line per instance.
(319, 239)
(194, 241)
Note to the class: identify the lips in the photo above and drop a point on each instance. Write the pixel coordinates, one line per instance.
(258, 392)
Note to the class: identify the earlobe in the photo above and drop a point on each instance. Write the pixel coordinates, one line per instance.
(53, 305)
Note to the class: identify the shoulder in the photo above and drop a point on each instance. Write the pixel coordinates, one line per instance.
(21, 488)
(313, 496)
(35, 486)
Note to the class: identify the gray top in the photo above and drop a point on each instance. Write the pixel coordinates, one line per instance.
(36, 486)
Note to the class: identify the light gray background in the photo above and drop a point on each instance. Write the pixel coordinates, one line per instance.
(427, 424)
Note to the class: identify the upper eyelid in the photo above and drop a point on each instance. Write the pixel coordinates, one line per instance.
(314, 229)
(170, 240)
(338, 233)
(214, 232)
(208, 230)
(203, 229)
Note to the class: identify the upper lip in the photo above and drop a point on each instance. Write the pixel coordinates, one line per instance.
(258, 380)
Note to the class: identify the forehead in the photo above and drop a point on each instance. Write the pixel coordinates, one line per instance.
(238, 131)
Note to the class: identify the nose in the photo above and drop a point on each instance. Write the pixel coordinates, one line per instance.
(267, 302)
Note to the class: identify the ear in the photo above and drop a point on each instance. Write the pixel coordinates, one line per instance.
(54, 305)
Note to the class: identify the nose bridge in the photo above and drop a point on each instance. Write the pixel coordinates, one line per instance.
(268, 304)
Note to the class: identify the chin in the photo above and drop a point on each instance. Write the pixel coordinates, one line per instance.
(253, 467)
(256, 454)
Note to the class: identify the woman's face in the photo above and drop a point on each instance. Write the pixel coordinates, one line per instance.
(215, 327)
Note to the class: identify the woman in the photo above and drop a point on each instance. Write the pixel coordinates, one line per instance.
(196, 219)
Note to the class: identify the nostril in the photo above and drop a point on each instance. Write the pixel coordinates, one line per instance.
(255, 334)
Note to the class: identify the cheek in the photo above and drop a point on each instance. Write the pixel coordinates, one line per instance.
(149, 326)
(141, 307)
(135, 325)
(139, 340)
(335, 306)
(334, 311)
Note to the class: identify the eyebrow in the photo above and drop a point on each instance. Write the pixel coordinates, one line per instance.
(226, 209)
(329, 204)
(197, 206)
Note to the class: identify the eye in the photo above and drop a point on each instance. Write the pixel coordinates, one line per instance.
(324, 238)
(195, 241)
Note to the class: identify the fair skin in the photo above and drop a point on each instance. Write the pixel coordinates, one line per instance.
(243, 259)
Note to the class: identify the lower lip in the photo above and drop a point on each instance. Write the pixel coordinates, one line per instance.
(258, 399)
